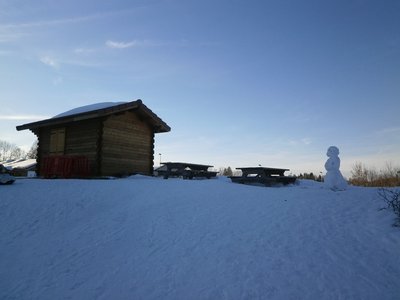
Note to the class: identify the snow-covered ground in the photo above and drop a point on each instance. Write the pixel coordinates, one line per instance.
(149, 238)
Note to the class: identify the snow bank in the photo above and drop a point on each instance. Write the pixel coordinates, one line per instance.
(148, 238)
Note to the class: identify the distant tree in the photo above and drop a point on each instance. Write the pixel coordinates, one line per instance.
(309, 176)
(5, 150)
(10, 151)
(390, 170)
(319, 178)
(363, 176)
(32, 153)
(17, 153)
(227, 172)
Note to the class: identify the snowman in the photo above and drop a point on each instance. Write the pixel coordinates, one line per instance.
(333, 178)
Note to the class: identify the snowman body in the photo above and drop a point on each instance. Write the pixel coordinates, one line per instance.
(333, 178)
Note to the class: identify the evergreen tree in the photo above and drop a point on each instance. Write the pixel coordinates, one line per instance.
(228, 172)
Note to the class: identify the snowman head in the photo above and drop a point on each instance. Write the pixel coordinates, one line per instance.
(333, 151)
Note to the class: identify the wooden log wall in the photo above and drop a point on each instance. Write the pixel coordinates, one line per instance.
(127, 145)
(83, 138)
(117, 145)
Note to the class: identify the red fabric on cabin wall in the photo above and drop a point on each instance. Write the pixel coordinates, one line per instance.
(62, 166)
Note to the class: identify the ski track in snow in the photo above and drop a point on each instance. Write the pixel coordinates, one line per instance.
(148, 238)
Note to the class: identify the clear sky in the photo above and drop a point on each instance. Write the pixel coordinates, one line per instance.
(241, 83)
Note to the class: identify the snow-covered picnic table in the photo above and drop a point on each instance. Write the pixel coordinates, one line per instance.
(185, 170)
(263, 175)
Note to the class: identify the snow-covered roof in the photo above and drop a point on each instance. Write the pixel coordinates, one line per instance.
(99, 110)
(88, 108)
(20, 163)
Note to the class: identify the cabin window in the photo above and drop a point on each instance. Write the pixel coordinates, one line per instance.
(57, 141)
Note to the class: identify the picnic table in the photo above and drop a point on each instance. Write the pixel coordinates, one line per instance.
(185, 170)
(264, 176)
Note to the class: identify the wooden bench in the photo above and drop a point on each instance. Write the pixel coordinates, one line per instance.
(263, 176)
(185, 170)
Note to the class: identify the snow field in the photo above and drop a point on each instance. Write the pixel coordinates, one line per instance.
(149, 238)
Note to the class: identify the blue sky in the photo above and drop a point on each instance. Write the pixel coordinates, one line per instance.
(241, 83)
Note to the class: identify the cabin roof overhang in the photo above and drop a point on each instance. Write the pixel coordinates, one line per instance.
(137, 106)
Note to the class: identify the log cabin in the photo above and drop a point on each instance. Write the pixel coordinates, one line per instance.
(111, 139)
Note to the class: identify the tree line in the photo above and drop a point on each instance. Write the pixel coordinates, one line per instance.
(368, 176)
(10, 151)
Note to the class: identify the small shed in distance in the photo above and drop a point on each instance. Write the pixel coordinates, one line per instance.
(114, 138)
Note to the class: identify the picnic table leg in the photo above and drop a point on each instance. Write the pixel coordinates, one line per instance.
(166, 174)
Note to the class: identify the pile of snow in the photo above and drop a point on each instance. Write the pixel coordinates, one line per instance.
(149, 238)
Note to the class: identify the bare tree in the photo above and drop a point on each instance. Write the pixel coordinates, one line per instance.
(10, 151)
(17, 153)
(358, 171)
(5, 150)
(32, 153)
(390, 170)
(364, 176)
